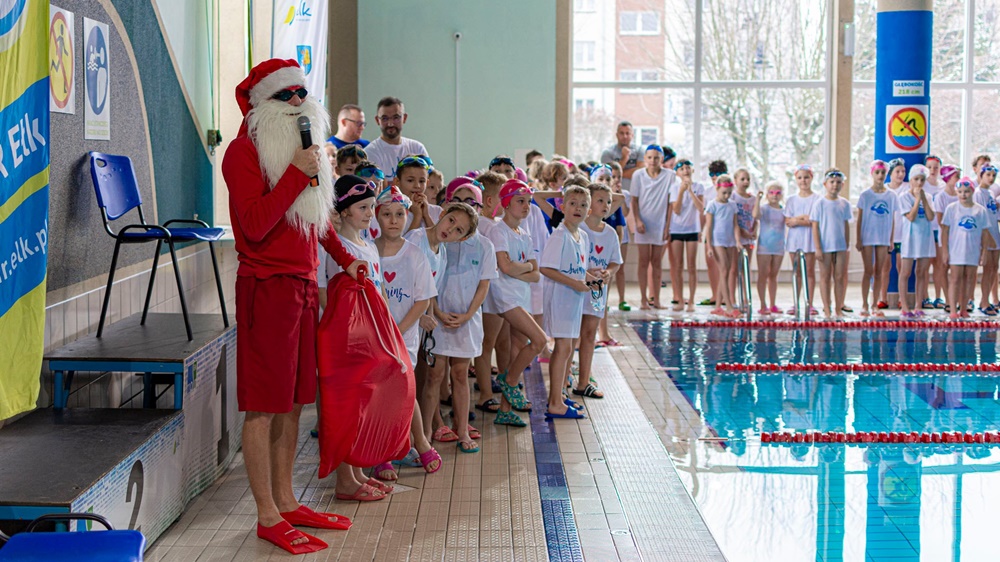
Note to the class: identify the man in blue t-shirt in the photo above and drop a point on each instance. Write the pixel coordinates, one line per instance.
(350, 125)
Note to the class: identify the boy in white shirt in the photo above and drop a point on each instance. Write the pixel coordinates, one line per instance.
(563, 264)
(830, 216)
(603, 261)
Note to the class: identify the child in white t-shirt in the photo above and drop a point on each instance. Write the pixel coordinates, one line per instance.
(686, 207)
(934, 185)
(603, 261)
(409, 289)
(650, 190)
(453, 227)
(770, 244)
(354, 201)
(984, 196)
(830, 216)
(563, 264)
(949, 178)
(459, 335)
(964, 235)
(511, 295)
(799, 236)
(877, 208)
(895, 174)
(917, 244)
(721, 231)
(624, 233)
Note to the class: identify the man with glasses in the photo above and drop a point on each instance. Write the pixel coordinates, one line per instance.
(625, 152)
(391, 146)
(350, 125)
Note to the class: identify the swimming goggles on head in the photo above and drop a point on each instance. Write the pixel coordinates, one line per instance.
(359, 189)
(834, 174)
(370, 171)
(500, 161)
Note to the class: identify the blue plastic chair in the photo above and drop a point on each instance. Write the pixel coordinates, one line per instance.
(125, 546)
(118, 193)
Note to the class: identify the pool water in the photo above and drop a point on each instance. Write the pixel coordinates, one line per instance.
(930, 502)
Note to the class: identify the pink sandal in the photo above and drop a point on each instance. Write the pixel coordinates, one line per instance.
(385, 467)
(428, 457)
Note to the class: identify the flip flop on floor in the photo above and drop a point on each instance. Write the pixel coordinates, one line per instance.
(570, 414)
(411, 460)
(427, 459)
(305, 517)
(573, 405)
(283, 534)
(473, 432)
(491, 406)
(365, 493)
(380, 486)
(444, 434)
(386, 472)
(590, 392)
(468, 447)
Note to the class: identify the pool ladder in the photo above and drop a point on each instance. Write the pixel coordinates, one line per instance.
(744, 294)
(800, 278)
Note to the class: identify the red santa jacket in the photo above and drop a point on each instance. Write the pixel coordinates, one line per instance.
(266, 244)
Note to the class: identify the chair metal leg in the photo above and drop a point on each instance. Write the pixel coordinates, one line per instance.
(152, 277)
(218, 284)
(180, 289)
(107, 291)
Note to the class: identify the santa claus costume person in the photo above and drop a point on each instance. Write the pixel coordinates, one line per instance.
(279, 214)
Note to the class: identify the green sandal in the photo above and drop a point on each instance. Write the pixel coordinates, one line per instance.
(509, 418)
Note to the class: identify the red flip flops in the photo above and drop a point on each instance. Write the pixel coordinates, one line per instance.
(305, 517)
(283, 534)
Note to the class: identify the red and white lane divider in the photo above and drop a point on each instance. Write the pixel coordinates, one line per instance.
(892, 437)
(860, 367)
(840, 324)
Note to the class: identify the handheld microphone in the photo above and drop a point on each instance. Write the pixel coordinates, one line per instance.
(305, 130)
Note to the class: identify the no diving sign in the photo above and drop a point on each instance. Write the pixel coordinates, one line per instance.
(906, 129)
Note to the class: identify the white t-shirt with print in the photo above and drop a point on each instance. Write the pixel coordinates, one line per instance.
(918, 235)
(387, 156)
(878, 210)
(469, 262)
(367, 252)
(985, 198)
(744, 212)
(436, 261)
(771, 241)
(563, 306)
(832, 217)
(605, 250)
(506, 292)
(965, 232)
(407, 277)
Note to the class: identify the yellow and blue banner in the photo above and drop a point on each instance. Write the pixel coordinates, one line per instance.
(24, 199)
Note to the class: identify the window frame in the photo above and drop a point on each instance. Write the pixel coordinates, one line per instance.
(640, 30)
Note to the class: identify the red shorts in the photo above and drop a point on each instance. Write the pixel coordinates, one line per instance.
(276, 322)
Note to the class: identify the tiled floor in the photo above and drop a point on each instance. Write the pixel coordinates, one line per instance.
(625, 501)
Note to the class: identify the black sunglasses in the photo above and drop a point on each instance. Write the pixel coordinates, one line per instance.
(285, 95)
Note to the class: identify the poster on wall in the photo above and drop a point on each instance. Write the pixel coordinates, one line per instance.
(97, 98)
(300, 33)
(24, 200)
(62, 61)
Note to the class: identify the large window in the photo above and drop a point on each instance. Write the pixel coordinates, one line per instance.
(741, 80)
(965, 86)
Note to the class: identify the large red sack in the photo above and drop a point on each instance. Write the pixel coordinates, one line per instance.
(365, 379)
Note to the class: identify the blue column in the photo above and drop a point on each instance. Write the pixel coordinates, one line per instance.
(903, 80)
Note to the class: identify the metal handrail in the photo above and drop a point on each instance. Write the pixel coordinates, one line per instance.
(801, 304)
(745, 294)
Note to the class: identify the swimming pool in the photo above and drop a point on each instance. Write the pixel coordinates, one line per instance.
(863, 502)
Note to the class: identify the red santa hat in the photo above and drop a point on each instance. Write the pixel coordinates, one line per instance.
(267, 79)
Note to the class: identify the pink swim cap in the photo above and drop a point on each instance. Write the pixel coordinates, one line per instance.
(519, 174)
(463, 182)
(948, 172)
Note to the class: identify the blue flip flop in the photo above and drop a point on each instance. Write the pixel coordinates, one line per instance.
(573, 405)
(411, 460)
(570, 414)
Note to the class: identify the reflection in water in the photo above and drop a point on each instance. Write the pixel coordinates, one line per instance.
(837, 502)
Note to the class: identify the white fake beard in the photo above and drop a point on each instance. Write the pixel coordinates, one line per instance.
(272, 127)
